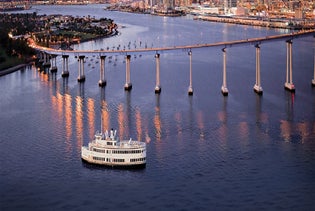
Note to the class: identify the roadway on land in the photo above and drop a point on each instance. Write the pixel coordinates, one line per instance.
(226, 44)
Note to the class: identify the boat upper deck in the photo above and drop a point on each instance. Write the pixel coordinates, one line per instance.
(111, 142)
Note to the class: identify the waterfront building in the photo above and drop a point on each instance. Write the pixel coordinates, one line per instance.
(228, 4)
(168, 4)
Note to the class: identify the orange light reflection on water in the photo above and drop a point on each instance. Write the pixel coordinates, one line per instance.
(91, 116)
(44, 76)
(121, 121)
(105, 116)
(68, 119)
(59, 105)
(157, 124)
(79, 120)
(138, 124)
(303, 130)
(288, 129)
(146, 131)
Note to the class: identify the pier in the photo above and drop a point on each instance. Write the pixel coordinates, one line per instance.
(261, 22)
(48, 59)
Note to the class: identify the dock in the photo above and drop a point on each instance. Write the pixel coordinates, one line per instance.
(262, 22)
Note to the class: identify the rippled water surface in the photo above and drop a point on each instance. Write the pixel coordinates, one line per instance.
(206, 151)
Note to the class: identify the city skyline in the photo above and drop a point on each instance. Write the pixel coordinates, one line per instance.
(301, 9)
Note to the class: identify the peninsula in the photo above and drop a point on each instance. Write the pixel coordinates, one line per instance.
(54, 31)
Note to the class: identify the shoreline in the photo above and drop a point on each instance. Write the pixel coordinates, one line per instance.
(14, 68)
(267, 23)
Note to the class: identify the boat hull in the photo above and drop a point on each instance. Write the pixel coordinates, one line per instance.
(114, 165)
(108, 160)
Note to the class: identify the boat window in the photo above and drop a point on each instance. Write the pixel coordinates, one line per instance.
(99, 150)
(98, 158)
(119, 160)
(137, 159)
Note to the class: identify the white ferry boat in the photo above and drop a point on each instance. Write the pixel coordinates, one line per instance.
(105, 149)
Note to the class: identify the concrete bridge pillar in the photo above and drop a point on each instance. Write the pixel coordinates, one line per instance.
(289, 81)
(102, 81)
(257, 87)
(41, 57)
(157, 61)
(46, 60)
(81, 76)
(65, 65)
(224, 88)
(53, 68)
(190, 89)
(128, 84)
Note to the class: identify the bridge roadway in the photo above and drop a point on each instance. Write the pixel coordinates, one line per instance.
(224, 44)
(80, 54)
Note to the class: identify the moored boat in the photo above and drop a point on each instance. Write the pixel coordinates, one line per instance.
(107, 150)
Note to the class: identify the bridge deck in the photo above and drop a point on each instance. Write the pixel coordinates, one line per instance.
(253, 41)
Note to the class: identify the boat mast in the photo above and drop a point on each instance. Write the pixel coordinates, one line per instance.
(101, 122)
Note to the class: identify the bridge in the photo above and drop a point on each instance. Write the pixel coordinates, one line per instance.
(48, 59)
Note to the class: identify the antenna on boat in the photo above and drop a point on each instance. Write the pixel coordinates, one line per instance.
(106, 134)
(112, 134)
